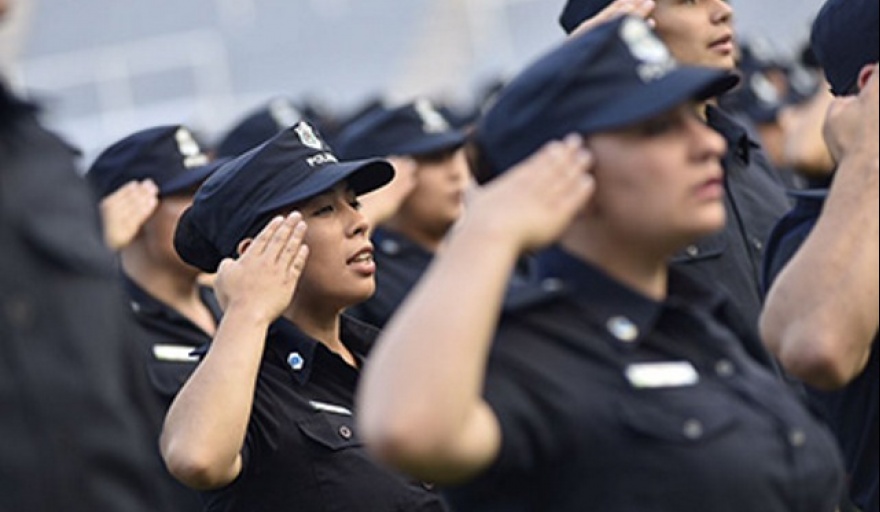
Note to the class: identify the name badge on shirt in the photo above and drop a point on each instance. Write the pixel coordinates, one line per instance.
(332, 408)
(174, 353)
(662, 375)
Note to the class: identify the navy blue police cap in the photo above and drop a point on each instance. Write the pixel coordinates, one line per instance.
(241, 197)
(576, 11)
(258, 126)
(615, 75)
(413, 129)
(844, 38)
(169, 155)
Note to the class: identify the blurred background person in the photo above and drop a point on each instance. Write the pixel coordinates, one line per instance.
(821, 314)
(423, 202)
(175, 314)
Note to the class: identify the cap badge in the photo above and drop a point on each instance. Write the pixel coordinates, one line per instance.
(656, 61)
(189, 149)
(432, 121)
(283, 113)
(307, 136)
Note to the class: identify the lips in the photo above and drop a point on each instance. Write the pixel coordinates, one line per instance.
(363, 255)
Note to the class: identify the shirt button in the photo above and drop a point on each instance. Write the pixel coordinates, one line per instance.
(692, 250)
(757, 243)
(622, 328)
(724, 368)
(797, 437)
(390, 247)
(551, 284)
(428, 486)
(345, 432)
(692, 429)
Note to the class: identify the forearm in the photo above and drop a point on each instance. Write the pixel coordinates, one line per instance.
(423, 382)
(821, 314)
(206, 424)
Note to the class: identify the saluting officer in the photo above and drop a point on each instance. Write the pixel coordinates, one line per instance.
(175, 314)
(267, 420)
(618, 384)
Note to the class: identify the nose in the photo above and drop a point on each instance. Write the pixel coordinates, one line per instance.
(358, 223)
(710, 142)
(722, 12)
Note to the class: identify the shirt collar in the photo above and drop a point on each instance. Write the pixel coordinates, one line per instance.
(299, 350)
(143, 303)
(739, 144)
(625, 313)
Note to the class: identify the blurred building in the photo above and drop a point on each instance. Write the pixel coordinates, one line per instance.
(104, 68)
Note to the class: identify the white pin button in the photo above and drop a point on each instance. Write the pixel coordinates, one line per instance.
(622, 328)
(296, 361)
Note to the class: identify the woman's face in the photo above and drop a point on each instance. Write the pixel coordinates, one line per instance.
(659, 182)
(697, 32)
(158, 232)
(340, 269)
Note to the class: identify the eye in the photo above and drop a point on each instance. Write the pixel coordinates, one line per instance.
(355, 203)
(323, 210)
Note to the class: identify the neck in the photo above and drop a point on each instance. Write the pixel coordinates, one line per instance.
(323, 326)
(631, 264)
(178, 290)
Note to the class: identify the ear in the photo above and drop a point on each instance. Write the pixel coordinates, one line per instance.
(865, 74)
(243, 245)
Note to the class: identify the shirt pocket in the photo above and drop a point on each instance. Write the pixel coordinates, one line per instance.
(682, 422)
(331, 431)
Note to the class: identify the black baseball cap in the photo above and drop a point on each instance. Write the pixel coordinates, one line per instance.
(844, 38)
(610, 77)
(169, 155)
(257, 126)
(413, 129)
(241, 197)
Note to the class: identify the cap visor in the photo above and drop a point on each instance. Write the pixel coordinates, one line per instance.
(191, 178)
(433, 143)
(363, 176)
(649, 100)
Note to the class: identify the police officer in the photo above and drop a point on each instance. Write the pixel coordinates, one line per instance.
(175, 313)
(267, 420)
(821, 314)
(417, 210)
(702, 33)
(618, 384)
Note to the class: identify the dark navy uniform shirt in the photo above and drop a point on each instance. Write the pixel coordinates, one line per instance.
(167, 340)
(755, 200)
(853, 411)
(400, 263)
(610, 401)
(301, 450)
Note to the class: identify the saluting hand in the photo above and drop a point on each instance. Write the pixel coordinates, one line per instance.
(535, 201)
(264, 276)
(641, 8)
(851, 124)
(125, 210)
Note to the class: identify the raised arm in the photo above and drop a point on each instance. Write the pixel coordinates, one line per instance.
(419, 400)
(205, 426)
(821, 314)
